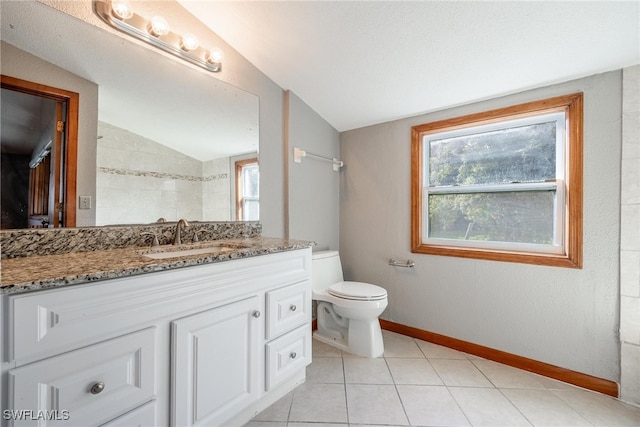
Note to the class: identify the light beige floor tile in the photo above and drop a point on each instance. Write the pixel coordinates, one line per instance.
(431, 406)
(266, 424)
(468, 399)
(503, 376)
(346, 354)
(600, 410)
(544, 408)
(319, 403)
(435, 351)
(396, 345)
(366, 371)
(374, 404)
(373, 425)
(459, 373)
(315, 425)
(413, 371)
(320, 349)
(325, 370)
(487, 407)
(473, 356)
(279, 411)
(551, 384)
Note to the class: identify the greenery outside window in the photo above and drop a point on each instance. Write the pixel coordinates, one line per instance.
(503, 185)
(247, 190)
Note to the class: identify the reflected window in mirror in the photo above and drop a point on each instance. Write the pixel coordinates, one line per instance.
(247, 190)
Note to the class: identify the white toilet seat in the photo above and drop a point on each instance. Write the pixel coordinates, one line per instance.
(357, 291)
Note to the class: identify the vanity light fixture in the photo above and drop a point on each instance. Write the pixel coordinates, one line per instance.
(122, 9)
(156, 31)
(159, 26)
(189, 42)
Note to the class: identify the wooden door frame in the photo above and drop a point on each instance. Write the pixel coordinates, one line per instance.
(71, 130)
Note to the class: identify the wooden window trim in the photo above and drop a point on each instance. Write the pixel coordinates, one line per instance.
(572, 105)
(240, 164)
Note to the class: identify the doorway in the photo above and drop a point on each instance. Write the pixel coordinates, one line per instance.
(39, 155)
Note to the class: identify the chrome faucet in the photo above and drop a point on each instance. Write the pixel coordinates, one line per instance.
(177, 240)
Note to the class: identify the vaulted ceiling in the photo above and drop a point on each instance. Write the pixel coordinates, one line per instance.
(358, 63)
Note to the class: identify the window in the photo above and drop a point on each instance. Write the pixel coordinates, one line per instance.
(247, 190)
(502, 185)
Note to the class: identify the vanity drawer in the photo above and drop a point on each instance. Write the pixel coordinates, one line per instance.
(287, 354)
(144, 416)
(89, 386)
(288, 308)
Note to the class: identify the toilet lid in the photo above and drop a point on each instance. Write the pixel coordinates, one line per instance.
(357, 291)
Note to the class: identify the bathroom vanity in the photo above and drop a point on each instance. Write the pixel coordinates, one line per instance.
(209, 344)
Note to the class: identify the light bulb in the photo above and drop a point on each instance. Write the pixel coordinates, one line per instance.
(159, 26)
(215, 56)
(122, 9)
(189, 42)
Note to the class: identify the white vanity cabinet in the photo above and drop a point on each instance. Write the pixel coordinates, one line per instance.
(215, 363)
(209, 345)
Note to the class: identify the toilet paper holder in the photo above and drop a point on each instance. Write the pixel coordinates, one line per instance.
(408, 263)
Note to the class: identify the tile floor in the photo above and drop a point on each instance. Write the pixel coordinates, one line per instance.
(422, 384)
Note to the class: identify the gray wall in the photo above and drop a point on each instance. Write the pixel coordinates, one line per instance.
(314, 187)
(17, 63)
(565, 317)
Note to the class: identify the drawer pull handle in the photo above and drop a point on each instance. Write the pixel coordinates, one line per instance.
(256, 314)
(292, 307)
(97, 388)
(293, 355)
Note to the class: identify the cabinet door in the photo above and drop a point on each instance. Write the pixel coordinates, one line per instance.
(216, 365)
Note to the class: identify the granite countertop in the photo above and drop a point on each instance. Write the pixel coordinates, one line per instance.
(51, 271)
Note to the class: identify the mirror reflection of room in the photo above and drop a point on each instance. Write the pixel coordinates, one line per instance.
(136, 176)
(150, 146)
(31, 127)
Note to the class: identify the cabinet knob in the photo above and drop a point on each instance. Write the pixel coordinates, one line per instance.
(256, 314)
(293, 355)
(97, 388)
(292, 307)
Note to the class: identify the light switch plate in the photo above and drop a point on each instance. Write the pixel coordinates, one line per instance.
(85, 202)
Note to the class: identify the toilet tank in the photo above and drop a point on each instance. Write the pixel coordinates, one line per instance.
(326, 269)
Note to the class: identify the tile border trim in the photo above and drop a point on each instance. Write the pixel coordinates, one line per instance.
(163, 175)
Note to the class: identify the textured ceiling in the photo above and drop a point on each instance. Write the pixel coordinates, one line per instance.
(357, 63)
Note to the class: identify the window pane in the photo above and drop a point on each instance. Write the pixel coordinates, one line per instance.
(250, 210)
(250, 181)
(518, 154)
(517, 217)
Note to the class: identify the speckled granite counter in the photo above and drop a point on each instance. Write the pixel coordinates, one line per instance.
(54, 241)
(34, 273)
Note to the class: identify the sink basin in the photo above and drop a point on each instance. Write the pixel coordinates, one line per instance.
(182, 251)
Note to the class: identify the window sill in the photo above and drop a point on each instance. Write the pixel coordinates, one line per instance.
(551, 260)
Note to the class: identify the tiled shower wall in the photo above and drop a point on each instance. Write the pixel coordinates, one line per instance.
(630, 239)
(139, 181)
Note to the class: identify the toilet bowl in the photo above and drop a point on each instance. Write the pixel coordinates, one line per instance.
(347, 312)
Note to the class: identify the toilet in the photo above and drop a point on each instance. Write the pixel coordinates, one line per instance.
(347, 314)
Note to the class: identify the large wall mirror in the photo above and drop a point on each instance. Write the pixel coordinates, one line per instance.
(172, 141)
